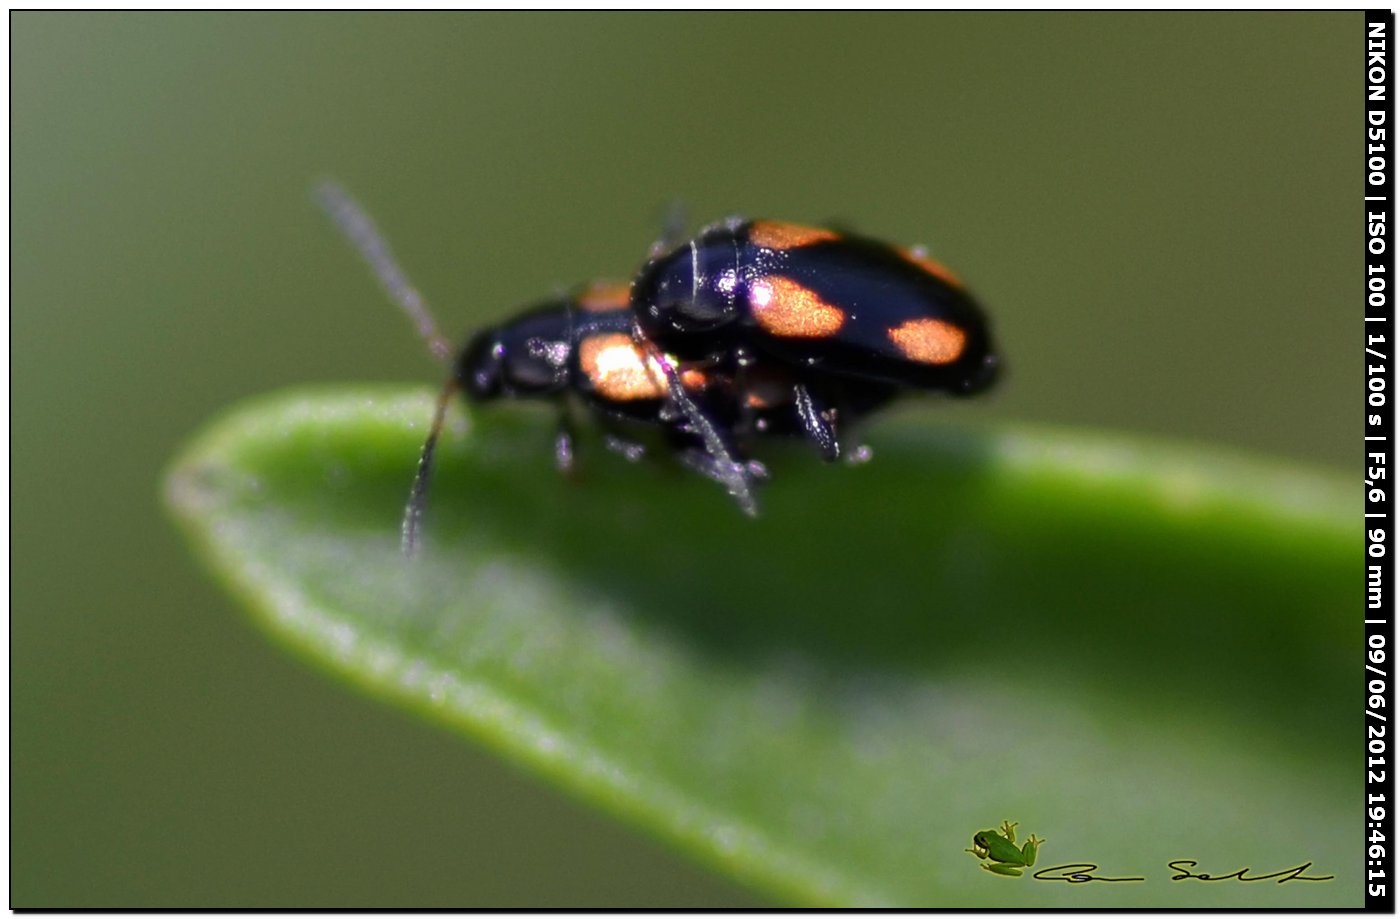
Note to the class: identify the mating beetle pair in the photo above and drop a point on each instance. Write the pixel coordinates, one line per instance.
(750, 329)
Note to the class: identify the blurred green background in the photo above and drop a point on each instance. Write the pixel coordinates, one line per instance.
(1160, 210)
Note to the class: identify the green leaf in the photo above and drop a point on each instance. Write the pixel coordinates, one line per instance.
(1140, 653)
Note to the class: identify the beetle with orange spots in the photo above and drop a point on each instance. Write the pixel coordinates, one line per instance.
(751, 330)
(828, 305)
(585, 347)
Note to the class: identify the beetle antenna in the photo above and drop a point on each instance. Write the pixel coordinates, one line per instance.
(418, 497)
(675, 218)
(357, 227)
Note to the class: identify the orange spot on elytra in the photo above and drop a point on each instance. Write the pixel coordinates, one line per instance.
(774, 234)
(789, 310)
(929, 341)
(618, 370)
(935, 268)
(604, 296)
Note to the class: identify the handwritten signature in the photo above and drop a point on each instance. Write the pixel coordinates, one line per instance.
(1083, 873)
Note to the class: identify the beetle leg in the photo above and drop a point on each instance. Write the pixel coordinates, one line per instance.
(564, 442)
(631, 450)
(734, 475)
(819, 422)
(715, 459)
(697, 460)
